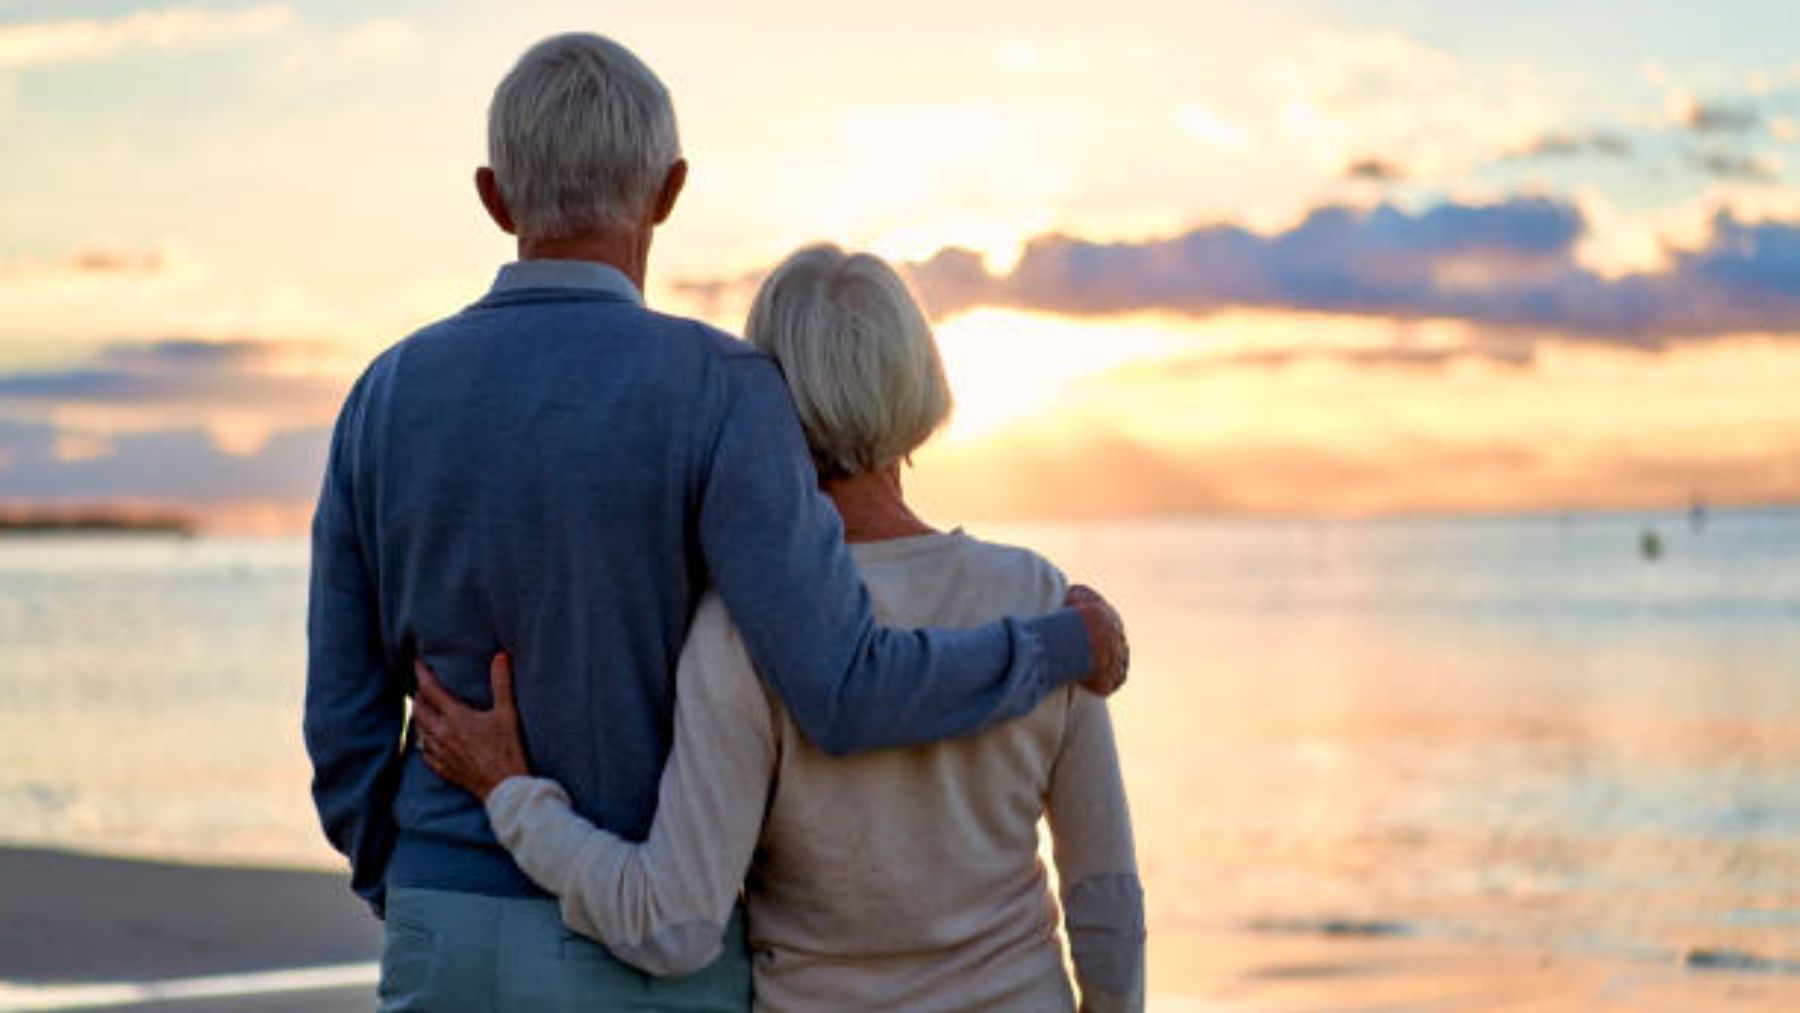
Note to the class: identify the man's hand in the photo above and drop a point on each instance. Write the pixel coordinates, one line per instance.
(1106, 634)
(472, 749)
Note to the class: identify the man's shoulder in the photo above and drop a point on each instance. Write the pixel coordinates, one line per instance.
(681, 337)
(743, 366)
(444, 329)
(707, 338)
(612, 315)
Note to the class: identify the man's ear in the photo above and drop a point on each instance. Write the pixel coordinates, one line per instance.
(489, 188)
(671, 189)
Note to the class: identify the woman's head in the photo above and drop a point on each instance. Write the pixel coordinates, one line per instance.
(859, 357)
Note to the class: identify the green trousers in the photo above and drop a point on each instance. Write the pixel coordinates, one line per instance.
(446, 952)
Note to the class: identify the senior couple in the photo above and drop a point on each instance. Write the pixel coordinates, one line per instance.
(702, 715)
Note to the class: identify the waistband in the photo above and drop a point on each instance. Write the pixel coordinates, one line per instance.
(433, 863)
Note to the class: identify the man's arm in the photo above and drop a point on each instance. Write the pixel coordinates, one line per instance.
(355, 709)
(774, 544)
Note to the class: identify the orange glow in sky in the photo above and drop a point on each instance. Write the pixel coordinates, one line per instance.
(1242, 257)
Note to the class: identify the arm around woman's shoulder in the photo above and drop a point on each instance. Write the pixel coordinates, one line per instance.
(662, 906)
(774, 545)
(1096, 861)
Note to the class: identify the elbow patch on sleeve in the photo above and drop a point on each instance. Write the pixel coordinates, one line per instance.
(1105, 916)
(678, 949)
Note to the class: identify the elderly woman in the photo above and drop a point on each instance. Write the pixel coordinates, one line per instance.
(907, 879)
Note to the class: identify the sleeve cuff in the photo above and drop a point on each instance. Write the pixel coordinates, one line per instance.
(506, 804)
(1068, 656)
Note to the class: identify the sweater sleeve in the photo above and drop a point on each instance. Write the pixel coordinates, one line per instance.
(662, 905)
(355, 708)
(774, 545)
(1102, 899)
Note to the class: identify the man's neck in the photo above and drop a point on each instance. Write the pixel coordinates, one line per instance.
(628, 252)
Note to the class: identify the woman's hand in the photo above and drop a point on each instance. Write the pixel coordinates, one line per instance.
(472, 749)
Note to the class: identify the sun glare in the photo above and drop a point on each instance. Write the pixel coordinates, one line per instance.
(1005, 366)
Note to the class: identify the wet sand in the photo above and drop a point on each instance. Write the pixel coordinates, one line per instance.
(79, 921)
(343, 1000)
(1344, 970)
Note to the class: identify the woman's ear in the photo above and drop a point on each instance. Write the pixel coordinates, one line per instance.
(488, 186)
(671, 189)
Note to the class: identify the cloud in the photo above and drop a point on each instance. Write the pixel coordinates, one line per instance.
(1715, 117)
(174, 421)
(1340, 97)
(92, 261)
(1507, 266)
(44, 43)
(1374, 170)
(240, 393)
(1341, 259)
(187, 374)
(1565, 144)
(1723, 164)
(178, 465)
(1398, 356)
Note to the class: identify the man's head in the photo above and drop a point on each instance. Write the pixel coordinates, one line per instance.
(581, 141)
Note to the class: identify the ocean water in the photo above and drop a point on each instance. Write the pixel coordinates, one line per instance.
(1504, 731)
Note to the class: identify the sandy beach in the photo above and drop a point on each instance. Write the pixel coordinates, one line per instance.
(1325, 968)
(96, 933)
(72, 924)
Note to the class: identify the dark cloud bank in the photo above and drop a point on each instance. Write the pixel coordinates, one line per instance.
(178, 461)
(176, 465)
(179, 371)
(1508, 265)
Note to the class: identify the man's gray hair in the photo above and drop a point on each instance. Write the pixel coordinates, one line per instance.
(581, 135)
(859, 355)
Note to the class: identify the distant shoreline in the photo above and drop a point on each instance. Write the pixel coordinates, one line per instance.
(96, 523)
(150, 521)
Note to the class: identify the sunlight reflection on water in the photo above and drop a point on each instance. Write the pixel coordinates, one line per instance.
(1499, 730)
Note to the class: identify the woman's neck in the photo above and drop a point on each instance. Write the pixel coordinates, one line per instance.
(874, 508)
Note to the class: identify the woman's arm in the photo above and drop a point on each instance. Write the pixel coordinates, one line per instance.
(661, 905)
(1102, 900)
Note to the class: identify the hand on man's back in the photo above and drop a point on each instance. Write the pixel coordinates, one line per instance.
(1106, 635)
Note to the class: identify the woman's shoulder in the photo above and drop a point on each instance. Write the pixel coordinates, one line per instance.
(1018, 568)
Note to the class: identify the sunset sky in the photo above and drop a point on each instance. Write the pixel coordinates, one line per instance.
(1294, 257)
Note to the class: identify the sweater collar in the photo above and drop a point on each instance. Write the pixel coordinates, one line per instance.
(586, 275)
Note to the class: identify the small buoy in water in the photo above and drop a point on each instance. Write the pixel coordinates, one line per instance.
(1650, 545)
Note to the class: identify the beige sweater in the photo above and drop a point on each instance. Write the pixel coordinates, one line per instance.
(902, 879)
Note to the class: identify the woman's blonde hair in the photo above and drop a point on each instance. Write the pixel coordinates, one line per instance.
(859, 355)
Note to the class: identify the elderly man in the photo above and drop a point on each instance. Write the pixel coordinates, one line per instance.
(558, 472)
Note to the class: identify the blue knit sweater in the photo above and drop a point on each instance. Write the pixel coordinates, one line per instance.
(559, 473)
